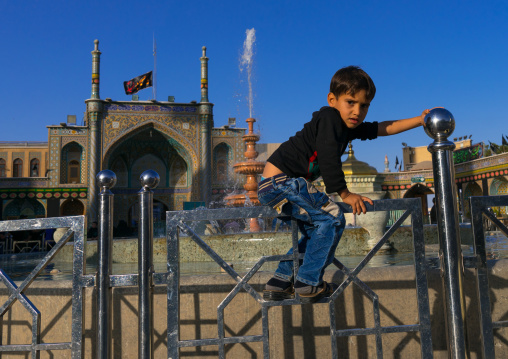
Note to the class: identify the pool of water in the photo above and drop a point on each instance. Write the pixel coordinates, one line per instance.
(18, 266)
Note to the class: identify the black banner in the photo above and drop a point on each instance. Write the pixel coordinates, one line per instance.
(138, 83)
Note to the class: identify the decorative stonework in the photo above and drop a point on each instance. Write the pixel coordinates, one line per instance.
(122, 107)
(117, 126)
(482, 165)
(231, 142)
(20, 155)
(205, 109)
(24, 182)
(479, 177)
(94, 106)
(82, 140)
(65, 131)
(54, 161)
(36, 155)
(43, 193)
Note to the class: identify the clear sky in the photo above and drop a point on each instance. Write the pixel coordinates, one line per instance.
(420, 54)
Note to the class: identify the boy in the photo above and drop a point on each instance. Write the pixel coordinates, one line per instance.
(316, 150)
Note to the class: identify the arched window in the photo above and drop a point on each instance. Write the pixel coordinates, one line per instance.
(70, 163)
(34, 168)
(17, 168)
(74, 175)
(2, 167)
(222, 157)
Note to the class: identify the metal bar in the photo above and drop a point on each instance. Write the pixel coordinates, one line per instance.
(216, 341)
(377, 328)
(496, 221)
(106, 180)
(149, 179)
(333, 328)
(267, 212)
(266, 333)
(173, 285)
(482, 275)
(422, 290)
(29, 347)
(373, 331)
(78, 270)
(439, 124)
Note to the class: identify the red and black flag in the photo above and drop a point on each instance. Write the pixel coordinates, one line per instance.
(138, 83)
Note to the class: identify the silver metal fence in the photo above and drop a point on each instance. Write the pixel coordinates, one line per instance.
(177, 222)
(76, 226)
(479, 209)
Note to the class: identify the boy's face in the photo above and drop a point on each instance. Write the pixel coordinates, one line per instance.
(352, 108)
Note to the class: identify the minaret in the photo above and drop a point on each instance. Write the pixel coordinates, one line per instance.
(387, 164)
(94, 116)
(206, 124)
(96, 64)
(204, 76)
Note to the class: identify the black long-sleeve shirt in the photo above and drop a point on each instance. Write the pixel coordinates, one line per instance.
(316, 149)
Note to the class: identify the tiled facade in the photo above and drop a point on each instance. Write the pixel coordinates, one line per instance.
(177, 140)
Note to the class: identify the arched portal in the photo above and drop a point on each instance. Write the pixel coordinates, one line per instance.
(72, 207)
(26, 208)
(499, 186)
(472, 189)
(420, 191)
(148, 148)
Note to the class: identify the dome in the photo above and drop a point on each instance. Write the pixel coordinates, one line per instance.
(353, 167)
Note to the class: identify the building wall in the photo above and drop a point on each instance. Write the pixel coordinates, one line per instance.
(414, 155)
(26, 151)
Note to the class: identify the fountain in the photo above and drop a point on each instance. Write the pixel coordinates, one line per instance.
(250, 168)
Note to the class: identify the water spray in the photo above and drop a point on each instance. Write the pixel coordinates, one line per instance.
(246, 62)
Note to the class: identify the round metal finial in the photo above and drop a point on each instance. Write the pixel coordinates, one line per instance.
(149, 179)
(439, 123)
(106, 179)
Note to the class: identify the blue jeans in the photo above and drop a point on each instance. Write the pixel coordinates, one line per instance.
(320, 220)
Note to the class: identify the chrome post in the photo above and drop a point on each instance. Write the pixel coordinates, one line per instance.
(105, 179)
(149, 180)
(439, 124)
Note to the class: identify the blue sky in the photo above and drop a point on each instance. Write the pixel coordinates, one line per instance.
(419, 54)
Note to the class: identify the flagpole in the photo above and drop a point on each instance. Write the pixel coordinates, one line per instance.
(154, 88)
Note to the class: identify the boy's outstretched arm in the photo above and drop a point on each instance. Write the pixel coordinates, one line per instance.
(355, 201)
(387, 128)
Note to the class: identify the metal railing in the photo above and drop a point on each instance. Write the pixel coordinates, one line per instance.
(76, 228)
(479, 209)
(176, 222)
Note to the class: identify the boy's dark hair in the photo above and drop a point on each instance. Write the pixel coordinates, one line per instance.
(350, 80)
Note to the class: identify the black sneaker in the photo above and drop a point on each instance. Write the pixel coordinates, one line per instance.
(317, 293)
(277, 289)
(288, 293)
